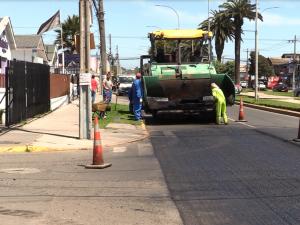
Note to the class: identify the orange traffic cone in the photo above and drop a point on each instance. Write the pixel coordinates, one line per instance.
(298, 139)
(98, 162)
(241, 113)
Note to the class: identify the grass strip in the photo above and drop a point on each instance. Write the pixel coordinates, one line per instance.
(277, 93)
(270, 103)
(119, 114)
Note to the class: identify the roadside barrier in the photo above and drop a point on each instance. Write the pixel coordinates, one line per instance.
(241, 113)
(98, 161)
(298, 139)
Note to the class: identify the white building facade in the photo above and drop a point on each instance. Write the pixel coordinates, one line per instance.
(30, 48)
(7, 42)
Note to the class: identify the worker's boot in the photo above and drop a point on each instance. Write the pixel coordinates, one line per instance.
(225, 119)
(218, 120)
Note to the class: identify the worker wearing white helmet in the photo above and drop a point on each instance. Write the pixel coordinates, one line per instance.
(220, 100)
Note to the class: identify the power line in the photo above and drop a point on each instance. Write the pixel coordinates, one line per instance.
(262, 39)
(125, 37)
(276, 47)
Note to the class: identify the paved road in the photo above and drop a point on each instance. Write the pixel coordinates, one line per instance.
(235, 174)
(280, 126)
(55, 188)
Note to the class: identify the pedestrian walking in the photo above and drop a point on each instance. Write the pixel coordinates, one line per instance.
(137, 96)
(94, 86)
(107, 88)
(220, 101)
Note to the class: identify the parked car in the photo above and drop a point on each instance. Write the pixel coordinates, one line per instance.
(261, 86)
(125, 83)
(238, 89)
(244, 84)
(297, 92)
(280, 87)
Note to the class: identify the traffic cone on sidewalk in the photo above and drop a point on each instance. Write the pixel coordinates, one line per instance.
(241, 113)
(98, 161)
(298, 139)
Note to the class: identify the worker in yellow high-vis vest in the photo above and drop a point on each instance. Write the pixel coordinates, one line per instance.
(220, 100)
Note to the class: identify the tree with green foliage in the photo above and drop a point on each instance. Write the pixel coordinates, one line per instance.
(220, 67)
(170, 45)
(238, 10)
(230, 69)
(70, 28)
(136, 70)
(222, 28)
(227, 68)
(114, 69)
(264, 67)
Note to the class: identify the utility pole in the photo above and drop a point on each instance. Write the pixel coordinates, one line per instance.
(100, 72)
(247, 69)
(110, 56)
(294, 62)
(85, 101)
(117, 57)
(100, 17)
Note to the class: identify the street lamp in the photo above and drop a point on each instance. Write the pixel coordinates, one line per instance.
(173, 10)
(155, 26)
(269, 8)
(256, 49)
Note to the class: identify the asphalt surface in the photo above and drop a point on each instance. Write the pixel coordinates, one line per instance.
(55, 188)
(243, 173)
(283, 127)
(189, 172)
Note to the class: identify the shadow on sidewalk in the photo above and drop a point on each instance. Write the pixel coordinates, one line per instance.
(35, 132)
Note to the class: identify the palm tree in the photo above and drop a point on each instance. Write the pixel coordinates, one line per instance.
(238, 10)
(70, 28)
(222, 29)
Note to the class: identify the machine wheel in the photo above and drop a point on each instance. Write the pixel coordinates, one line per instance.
(298, 94)
(154, 113)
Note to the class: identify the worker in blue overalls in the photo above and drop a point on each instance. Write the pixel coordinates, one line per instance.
(130, 98)
(137, 96)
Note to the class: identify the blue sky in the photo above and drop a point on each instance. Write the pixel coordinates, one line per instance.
(127, 21)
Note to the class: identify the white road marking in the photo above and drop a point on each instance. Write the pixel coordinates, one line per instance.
(242, 123)
(119, 149)
(168, 133)
(145, 149)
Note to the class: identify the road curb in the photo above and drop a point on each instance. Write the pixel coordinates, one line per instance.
(145, 135)
(30, 148)
(271, 109)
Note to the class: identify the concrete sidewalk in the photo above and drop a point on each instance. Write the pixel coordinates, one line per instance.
(59, 130)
